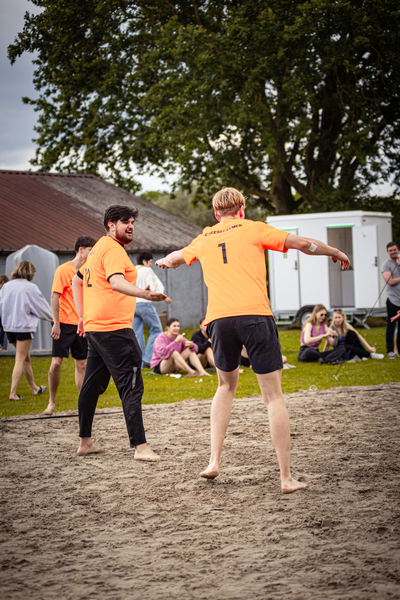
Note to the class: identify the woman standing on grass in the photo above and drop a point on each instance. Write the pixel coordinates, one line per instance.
(348, 338)
(315, 330)
(21, 306)
(171, 351)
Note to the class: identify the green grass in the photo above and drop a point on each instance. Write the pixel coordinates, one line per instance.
(159, 390)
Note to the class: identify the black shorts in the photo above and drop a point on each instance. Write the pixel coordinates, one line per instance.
(257, 333)
(14, 336)
(68, 341)
(157, 369)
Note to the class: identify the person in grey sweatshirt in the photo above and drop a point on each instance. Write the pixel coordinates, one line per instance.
(21, 306)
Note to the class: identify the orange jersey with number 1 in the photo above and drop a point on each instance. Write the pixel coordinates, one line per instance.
(104, 309)
(232, 258)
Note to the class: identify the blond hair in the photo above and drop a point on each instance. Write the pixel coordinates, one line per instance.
(228, 200)
(24, 270)
(313, 317)
(345, 326)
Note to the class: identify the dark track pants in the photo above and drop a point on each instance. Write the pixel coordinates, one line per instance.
(307, 354)
(354, 345)
(390, 326)
(116, 354)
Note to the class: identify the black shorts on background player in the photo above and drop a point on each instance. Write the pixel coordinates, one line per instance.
(69, 341)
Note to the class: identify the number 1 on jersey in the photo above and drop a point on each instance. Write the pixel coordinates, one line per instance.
(223, 246)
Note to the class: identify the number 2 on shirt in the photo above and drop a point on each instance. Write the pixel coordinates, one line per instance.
(87, 278)
(223, 246)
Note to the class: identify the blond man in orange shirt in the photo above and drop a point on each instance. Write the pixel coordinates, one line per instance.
(238, 314)
(65, 321)
(105, 295)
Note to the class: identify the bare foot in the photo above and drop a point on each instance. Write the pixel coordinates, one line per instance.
(211, 472)
(143, 452)
(50, 409)
(87, 447)
(206, 374)
(292, 486)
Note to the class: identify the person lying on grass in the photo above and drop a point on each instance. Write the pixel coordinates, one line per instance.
(171, 351)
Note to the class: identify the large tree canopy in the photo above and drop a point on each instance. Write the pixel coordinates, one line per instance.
(295, 102)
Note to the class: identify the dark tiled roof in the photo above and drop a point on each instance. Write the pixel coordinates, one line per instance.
(51, 210)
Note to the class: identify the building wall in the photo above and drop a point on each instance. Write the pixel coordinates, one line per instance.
(185, 287)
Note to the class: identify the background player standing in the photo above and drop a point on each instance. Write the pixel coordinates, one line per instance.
(391, 274)
(145, 313)
(65, 322)
(238, 314)
(105, 294)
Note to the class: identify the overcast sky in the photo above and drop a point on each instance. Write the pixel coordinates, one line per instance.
(17, 119)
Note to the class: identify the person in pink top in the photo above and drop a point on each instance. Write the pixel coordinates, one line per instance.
(171, 352)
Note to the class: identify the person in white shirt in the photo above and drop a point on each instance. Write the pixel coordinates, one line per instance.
(145, 313)
(21, 306)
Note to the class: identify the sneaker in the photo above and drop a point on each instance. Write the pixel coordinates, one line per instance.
(357, 357)
(365, 358)
(375, 355)
(145, 365)
(391, 355)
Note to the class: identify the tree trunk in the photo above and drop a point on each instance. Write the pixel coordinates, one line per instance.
(281, 195)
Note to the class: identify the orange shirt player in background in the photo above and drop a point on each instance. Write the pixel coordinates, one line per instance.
(231, 254)
(65, 321)
(105, 297)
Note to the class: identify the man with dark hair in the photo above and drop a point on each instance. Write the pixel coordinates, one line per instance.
(65, 321)
(238, 314)
(145, 313)
(105, 295)
(391, 274)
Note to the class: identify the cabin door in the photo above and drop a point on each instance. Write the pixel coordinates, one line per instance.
(366, 268)
(287, 282)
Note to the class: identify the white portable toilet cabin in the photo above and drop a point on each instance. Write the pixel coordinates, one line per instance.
(297, 282)
(46, 263)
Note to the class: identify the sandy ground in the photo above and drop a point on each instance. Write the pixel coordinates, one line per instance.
(107, 527)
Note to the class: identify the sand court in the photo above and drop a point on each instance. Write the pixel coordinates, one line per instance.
(106, 526)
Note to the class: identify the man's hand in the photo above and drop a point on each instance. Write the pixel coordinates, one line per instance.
(164, 263)
(55, 331)
(155, 296)
(344, 260)
(172, 261)
(80, 331)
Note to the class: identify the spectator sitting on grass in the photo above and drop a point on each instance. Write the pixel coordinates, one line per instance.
(349, 338)
(203, 342)
(314, 331)
(171, 351)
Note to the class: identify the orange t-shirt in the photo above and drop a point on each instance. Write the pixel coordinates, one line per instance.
(62, 284)
(104, 309)
(231, 254)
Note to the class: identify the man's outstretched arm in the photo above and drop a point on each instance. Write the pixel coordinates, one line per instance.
(172, 261)
(120, 284)
(316, 248)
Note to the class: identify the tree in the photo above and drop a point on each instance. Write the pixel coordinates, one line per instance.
(295, 102)
(184, 205)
